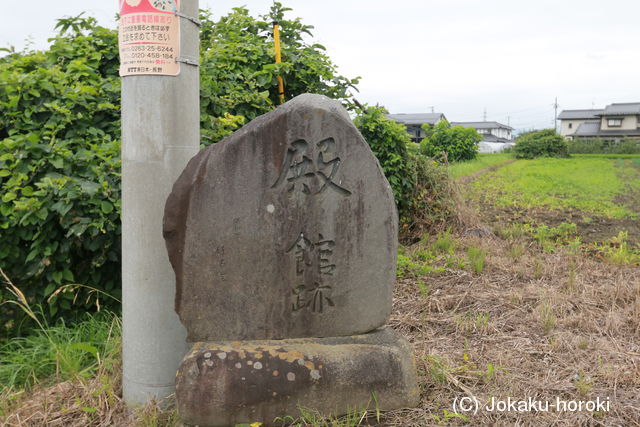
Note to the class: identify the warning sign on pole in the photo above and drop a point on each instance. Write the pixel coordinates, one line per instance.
(149, 37)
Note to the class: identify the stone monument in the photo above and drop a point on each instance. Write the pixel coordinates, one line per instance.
(283, 239)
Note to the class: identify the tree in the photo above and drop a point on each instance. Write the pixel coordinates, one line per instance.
(239, 74)
(388, 141)
(542, 143)
(458, 142)
(60, 144)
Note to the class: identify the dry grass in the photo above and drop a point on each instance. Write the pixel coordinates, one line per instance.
(529, 324)
(548, 326)
(479, 335)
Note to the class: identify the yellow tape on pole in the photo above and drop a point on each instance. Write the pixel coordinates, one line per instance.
(276, 39)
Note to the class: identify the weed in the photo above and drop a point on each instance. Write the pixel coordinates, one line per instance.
(445, 244)
(583, 343)
(538, 268)
(437, 369)
(547, 317)
(476, 258)
(511, 232)
(423, 288)
(55, 350)
(617, 251)
(419, 263)
(309, 417)
(571, 276)
(516, 250)
(583, 384)
(473, 321)
(447, 416)
(153, 415)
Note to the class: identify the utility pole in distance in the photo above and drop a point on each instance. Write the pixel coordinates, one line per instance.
(160, 133)
(555, 114)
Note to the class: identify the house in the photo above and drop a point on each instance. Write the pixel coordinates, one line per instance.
(570, 120)
(614, 122)
(495, 136)
(414, 122)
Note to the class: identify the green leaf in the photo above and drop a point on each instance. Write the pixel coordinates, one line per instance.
(57, 162)
(32, 254)
(106, 207)
(84, 347)
(49, 289)
(67, 275)
(9, 197)
(57, 277)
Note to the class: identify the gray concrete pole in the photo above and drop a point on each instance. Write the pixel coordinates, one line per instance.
(160, 133)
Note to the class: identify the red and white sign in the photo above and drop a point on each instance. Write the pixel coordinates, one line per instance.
(149, 37)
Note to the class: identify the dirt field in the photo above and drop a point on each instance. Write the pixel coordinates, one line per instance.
(549, 318)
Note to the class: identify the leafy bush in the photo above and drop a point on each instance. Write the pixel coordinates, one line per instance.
(60, 144)
(433, 199)
(458, 142)
(599, 146)
(542, 143)
(388, 141)
(239, 76)
(60, 169)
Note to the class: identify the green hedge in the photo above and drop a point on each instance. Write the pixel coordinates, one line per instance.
(60, 146)
(542, 143)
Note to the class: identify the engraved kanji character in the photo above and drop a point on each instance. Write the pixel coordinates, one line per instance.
(328, 159)
(297, 167)
(302, 247)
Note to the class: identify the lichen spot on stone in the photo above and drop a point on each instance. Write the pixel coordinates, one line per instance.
(207, 355)
(257, 365)
(249, 362)
(301, 362)
(274, 394)
(209, 362)
(238, 365)
(275, 373)
(271, 208)
(291, 376)
(315, 374)
(222, 355)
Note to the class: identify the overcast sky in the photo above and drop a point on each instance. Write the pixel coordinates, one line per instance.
(459, 57)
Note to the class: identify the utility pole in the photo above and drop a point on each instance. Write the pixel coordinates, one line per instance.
(160, 133)
(555, 114)
(484, 115)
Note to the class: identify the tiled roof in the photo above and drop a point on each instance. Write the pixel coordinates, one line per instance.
(630, 108)
(579, 114)
(588, 128)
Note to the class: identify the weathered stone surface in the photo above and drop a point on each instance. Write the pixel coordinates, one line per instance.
(224, 383)
(285, 229)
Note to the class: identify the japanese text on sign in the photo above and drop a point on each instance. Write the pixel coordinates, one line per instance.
(149, 37)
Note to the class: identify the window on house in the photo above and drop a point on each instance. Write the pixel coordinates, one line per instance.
(614, 122)
(570, 125)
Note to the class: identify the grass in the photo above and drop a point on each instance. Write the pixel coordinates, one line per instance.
(588, 184)
(476, 257)
(545, 318)
(61, 352)
(483, 161)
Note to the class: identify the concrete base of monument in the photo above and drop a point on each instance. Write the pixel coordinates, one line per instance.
(227, 383)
